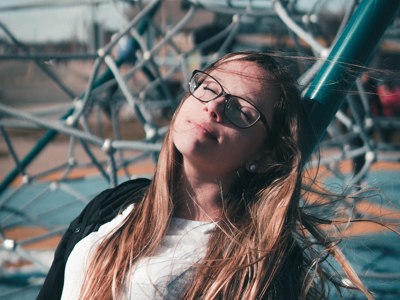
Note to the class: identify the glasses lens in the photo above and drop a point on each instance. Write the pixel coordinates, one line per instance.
(240, 112)
(204, 87)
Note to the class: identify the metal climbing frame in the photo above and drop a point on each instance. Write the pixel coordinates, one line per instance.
(149, 78)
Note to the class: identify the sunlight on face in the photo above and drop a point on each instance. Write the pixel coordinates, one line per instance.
(202, 133)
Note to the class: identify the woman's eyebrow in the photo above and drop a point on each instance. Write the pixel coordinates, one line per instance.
(215, 74)
(245, 97)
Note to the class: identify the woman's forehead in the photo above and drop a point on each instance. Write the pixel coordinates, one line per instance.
(241, 77)
(248, 70)
(248, 80)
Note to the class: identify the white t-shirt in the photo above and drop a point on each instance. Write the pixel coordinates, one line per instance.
(162, 276)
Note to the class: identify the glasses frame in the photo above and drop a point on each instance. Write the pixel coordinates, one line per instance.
(227, 97)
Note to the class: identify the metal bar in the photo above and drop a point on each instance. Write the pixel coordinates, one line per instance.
(338, 73)
(48, 5)
(38, 62)
(39, 146)
(298, 30)
(51, 134)
(50, 56)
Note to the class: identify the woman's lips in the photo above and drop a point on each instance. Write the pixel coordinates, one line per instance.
(209, 132)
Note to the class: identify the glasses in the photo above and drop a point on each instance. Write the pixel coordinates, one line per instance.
(237, 110)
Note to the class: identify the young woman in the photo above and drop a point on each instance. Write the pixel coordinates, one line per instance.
(221, 219)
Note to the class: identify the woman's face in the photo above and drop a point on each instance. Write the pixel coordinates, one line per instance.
(208, 142)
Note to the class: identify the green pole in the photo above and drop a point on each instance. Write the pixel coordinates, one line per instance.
(351, 51)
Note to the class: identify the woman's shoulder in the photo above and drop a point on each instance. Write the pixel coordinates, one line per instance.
(106, 205)
(126, 192)
(100, 210)
(109, 202)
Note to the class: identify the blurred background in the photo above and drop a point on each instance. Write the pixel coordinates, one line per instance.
(87, 89)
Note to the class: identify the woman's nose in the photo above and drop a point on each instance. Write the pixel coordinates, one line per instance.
(215, 108)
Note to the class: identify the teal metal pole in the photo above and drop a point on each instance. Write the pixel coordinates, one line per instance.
(344, 63)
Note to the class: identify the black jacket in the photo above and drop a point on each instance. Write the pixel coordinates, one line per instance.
(102, 209)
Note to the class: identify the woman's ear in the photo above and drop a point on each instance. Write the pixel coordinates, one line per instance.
(262, 163)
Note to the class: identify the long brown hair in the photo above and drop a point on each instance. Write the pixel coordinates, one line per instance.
(259, 249)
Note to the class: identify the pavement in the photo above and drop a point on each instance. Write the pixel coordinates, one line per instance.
(373, 250)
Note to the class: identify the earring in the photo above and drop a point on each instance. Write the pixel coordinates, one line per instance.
(252, 167)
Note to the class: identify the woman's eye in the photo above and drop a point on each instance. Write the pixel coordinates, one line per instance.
(245, 114)
(242, 111)
(238, 107)
(209, 89)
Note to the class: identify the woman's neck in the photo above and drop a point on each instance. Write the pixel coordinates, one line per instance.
(199, 192)
(199, 196)
(200, 203)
